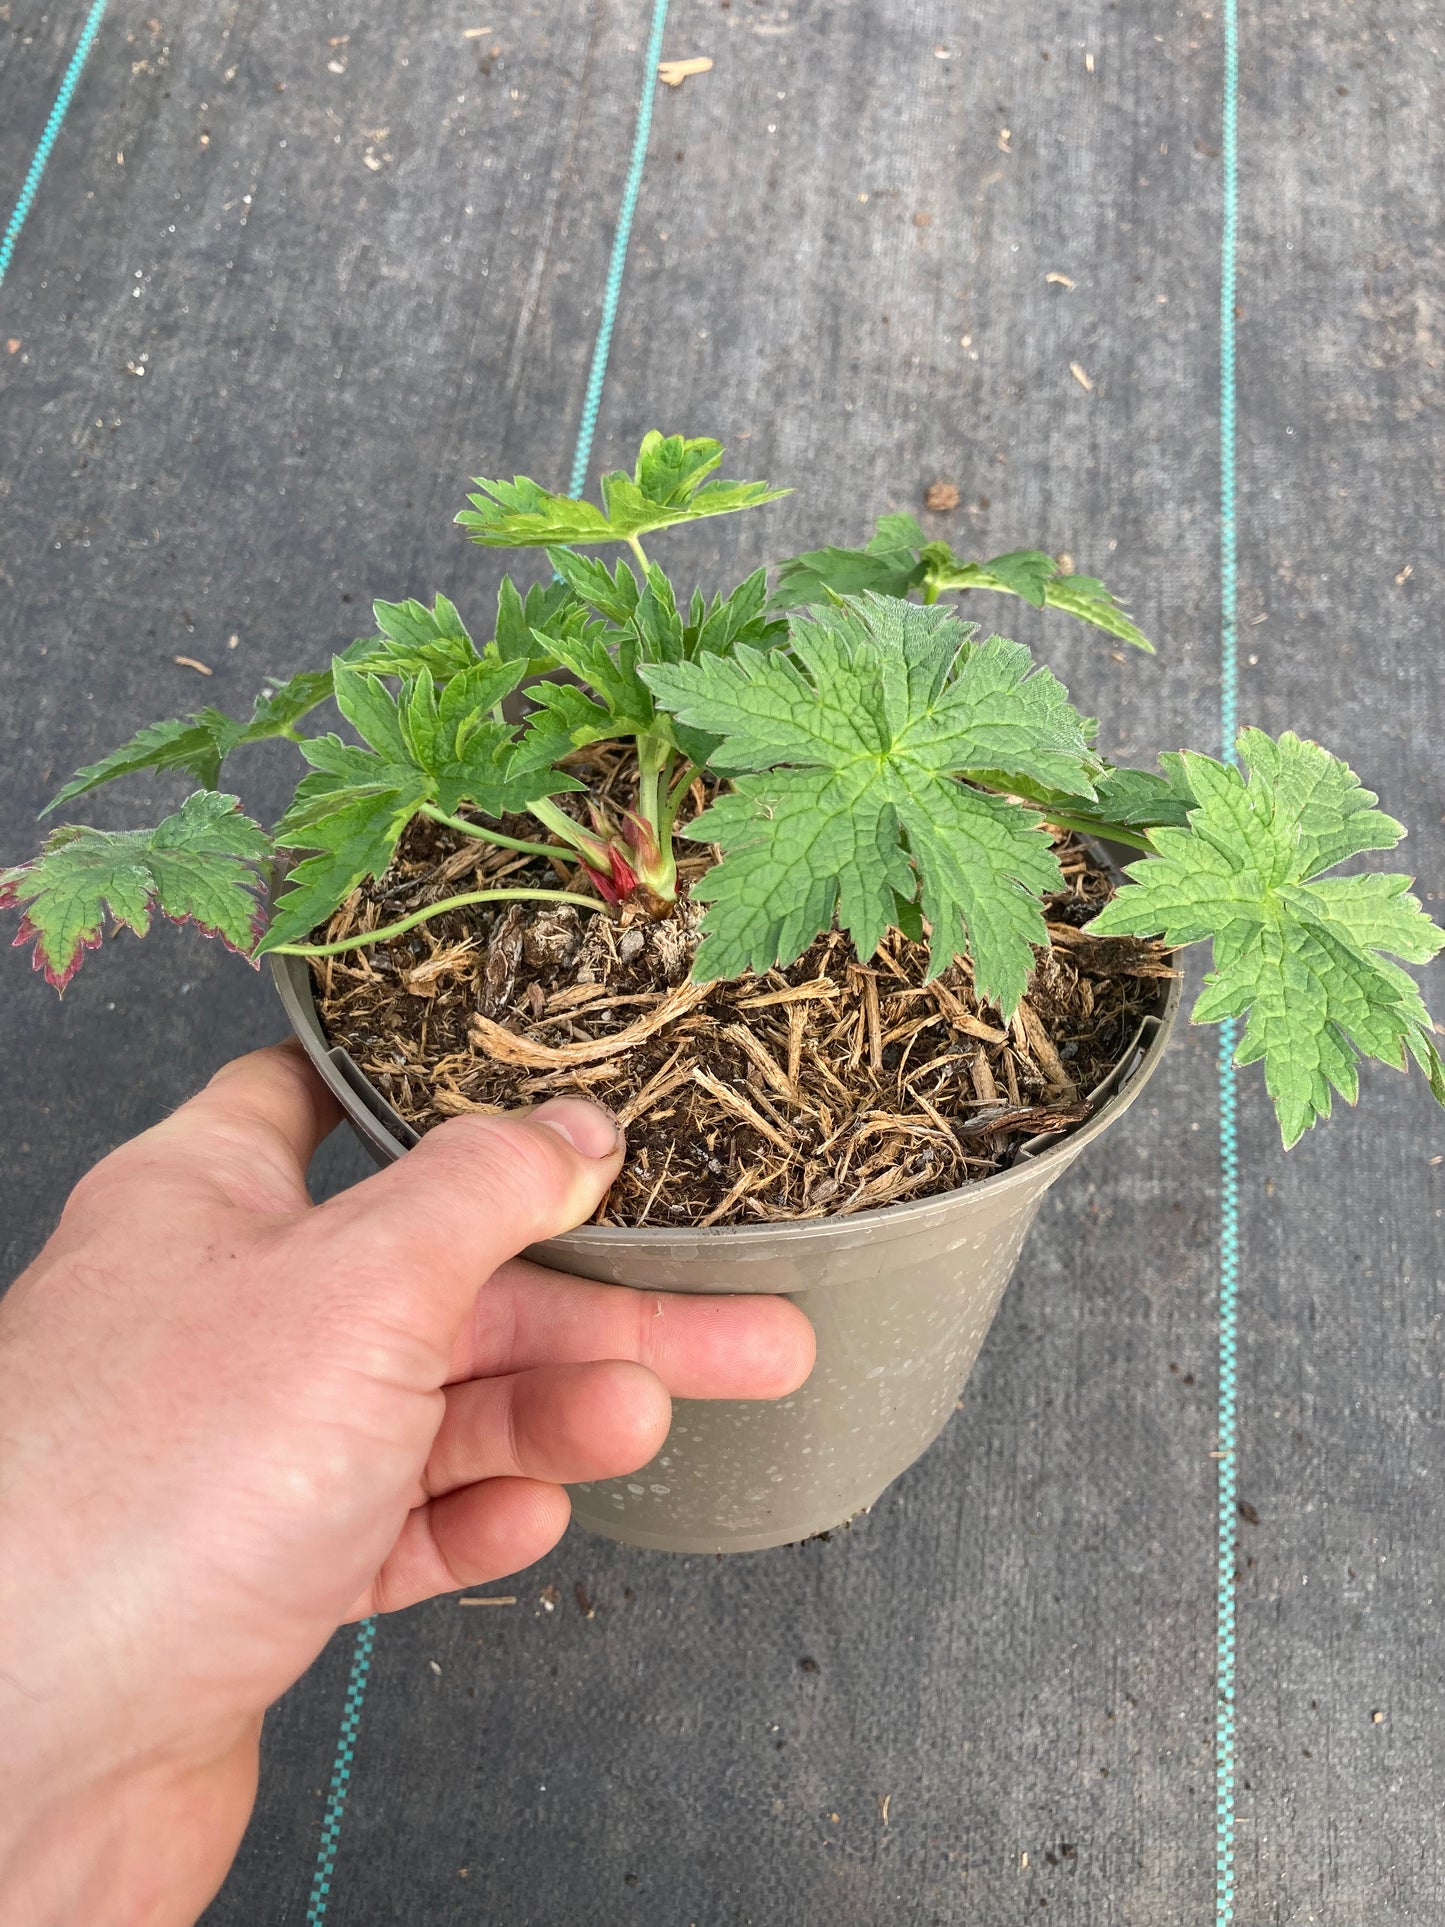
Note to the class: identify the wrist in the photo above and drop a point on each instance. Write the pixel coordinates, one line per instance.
(111, 1809)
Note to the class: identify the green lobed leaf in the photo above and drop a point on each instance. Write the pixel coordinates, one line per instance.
(353, 832)
(444, 748)
(1304, 958)
(200, 743)
(820, 574)
(278, 713)
(200, 865)
(1137, 799)
(668, 485)
(414, 637)
(1037, 578)
(1087, 598)
(636, 622)
(610, 593)
(718, 627)
(898, 559)
(854, 740)
(421, 745)
(606, 660)
(526, 623)
(196, 744)
(1127, 802)
(564, 718)
(895, 531)
(1023, 572)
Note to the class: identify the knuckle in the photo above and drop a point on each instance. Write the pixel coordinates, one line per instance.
(97, 1188)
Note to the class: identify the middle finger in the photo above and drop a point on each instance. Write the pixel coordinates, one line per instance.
(699, 1346)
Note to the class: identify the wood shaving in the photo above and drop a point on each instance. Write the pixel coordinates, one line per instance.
(672, 73)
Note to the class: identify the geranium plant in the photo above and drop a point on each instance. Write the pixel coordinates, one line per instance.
(869, 760)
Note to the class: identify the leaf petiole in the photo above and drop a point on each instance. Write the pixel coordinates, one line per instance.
(689, 775)
(637, 550)
(488, 836)
(575, 836)
(654, 764)
(1110, 832)
(432, 910)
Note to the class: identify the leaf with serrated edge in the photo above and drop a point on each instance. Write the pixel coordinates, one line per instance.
(1027, 572)
(353, 840)
(898, 560)
(861, 733)
(426, 747)
(820, 574)
(613, 593)
(1037, 578)
(526, 624)
(196, 744)
(1305, 959)
(564, 719)
(199, 744)
(200, 865)
(667, 486)
(279, 713)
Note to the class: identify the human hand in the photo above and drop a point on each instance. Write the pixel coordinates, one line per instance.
(234, 1420)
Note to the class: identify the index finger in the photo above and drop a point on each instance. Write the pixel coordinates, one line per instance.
(256, 1125)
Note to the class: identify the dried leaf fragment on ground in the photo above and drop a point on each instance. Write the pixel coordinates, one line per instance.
(672, 73)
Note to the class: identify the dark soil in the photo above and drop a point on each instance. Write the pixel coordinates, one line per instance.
(823, 1089)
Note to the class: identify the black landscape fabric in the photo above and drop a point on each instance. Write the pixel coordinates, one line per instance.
(294, 275)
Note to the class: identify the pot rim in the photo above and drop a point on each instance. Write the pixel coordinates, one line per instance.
(367, 1109)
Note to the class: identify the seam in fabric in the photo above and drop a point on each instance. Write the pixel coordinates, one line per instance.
(612, 292)
(30, 186)
(1229, 1227)
(340, 1784)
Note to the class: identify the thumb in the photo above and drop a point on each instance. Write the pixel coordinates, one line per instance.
(429, 1230)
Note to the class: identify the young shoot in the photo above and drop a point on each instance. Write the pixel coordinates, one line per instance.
(870, 761)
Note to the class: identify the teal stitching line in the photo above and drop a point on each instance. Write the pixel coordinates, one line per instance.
(1228, 1476)
(587, 428)
(30, 187)
(340, 1784)
(632, 187)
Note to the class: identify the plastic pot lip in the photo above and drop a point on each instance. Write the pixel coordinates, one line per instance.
(292, 978)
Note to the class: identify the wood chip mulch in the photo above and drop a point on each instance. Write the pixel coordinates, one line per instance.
(824, 1089)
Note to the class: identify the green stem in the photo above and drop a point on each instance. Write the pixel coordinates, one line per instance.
(573, 833)
(654, 757)
(432, 910)
(1111, 832)
(690, 774)
(636, 548)
(488, 836)
(654, 771)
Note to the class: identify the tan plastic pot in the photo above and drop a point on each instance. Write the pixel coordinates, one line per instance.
(900, 1299)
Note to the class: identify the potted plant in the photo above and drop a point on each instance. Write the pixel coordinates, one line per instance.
(812, 887)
